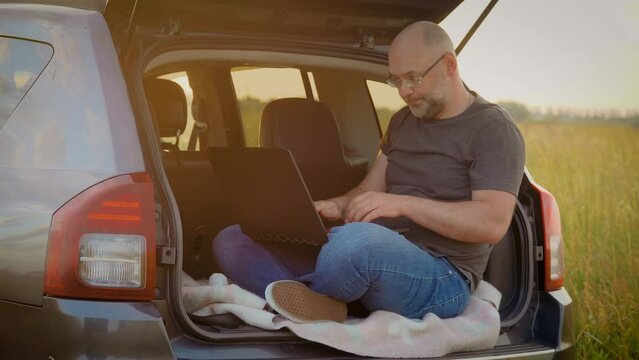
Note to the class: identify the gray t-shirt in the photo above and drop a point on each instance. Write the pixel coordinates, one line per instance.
(446, 159)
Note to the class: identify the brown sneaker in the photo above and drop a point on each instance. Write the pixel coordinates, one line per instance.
(296, 302)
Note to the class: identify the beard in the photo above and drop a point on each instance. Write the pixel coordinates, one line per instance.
(427, 106)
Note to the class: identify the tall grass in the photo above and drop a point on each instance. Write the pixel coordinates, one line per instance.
(593, 171)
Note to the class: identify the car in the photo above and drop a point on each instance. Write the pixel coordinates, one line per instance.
(107, 196)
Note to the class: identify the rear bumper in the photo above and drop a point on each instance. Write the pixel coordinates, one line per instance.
(554, 321)
(69, 329)
(553, 333)
(73, 329)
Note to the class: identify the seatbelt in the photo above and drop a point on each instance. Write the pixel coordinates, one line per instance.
(198, 127)
(198, 105)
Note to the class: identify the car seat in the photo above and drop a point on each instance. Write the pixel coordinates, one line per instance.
(168, 106)
(197, 192)
(309, 130)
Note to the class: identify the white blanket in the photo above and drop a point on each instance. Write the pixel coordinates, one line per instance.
(381, 334)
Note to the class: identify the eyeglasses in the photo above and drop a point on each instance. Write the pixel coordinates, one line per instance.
(412, 80)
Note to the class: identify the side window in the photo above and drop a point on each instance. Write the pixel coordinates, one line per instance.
(182, 79)
(255, 87)
(386, 101)
(21, 61)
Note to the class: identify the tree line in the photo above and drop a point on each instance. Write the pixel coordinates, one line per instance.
(521, 112)
(251, 108)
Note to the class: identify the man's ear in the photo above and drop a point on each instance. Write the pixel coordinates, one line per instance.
(451, 64)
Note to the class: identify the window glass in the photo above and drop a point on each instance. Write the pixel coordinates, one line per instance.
(21, 61)
(255, 87)
(182, 79)
(386, 101)
(311, 79)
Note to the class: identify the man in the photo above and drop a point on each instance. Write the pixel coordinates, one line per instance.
(447, 175)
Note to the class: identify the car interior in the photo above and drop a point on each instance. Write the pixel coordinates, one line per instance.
(331, 127)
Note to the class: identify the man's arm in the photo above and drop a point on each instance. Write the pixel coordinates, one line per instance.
(375, 180)
(483, 219)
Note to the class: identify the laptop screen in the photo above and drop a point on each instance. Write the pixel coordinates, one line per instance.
(267, 194)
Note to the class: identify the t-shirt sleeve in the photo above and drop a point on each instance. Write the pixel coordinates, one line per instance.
(498, 153)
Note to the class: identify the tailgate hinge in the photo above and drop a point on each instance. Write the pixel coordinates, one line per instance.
(539, 253)
(366, 40)
(171, 26)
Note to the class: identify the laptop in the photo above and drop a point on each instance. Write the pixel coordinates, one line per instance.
(267, 194)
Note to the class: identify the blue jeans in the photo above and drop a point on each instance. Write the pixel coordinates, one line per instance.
(361, 261)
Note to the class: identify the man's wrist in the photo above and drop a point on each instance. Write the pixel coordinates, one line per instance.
(405, 205)
(410, 205)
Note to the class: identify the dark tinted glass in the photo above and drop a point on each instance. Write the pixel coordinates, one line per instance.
(21, 61)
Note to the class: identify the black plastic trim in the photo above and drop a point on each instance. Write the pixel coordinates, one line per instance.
(524, 235)
(475, 26)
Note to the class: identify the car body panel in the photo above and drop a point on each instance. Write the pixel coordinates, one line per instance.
(77, 329)
(29, 199)
(553, 322)
(95, 5)
(97, 116)
(72, 129)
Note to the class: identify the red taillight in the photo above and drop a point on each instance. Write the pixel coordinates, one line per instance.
(553, 240)
(102, 242)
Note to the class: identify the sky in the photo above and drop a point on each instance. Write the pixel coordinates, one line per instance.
(579, 54)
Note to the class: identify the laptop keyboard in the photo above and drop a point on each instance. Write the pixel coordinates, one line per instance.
(281, 238)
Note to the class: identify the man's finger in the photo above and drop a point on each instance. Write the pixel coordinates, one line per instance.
(371, 216)
(332, 214)
(351, 211)
(360, 211)
(367, 217)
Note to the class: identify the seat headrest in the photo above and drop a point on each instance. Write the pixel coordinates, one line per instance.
(168, 104)
(306, 127)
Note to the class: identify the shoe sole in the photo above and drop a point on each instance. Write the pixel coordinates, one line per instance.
(298, 303)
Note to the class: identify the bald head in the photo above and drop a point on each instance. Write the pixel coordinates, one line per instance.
(416, 47)
(430, 35)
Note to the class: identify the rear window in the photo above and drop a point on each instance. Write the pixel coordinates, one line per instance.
(255, 87)
(386, 101)
(21, 62)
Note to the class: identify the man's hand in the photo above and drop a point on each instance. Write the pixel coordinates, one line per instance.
(371, 205)
(335, 208)
(329, 209)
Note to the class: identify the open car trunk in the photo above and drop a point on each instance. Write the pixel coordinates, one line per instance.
(511, 270)
(203, 209)
(342, 47)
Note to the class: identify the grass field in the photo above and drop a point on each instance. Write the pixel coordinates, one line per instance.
(593, 171)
